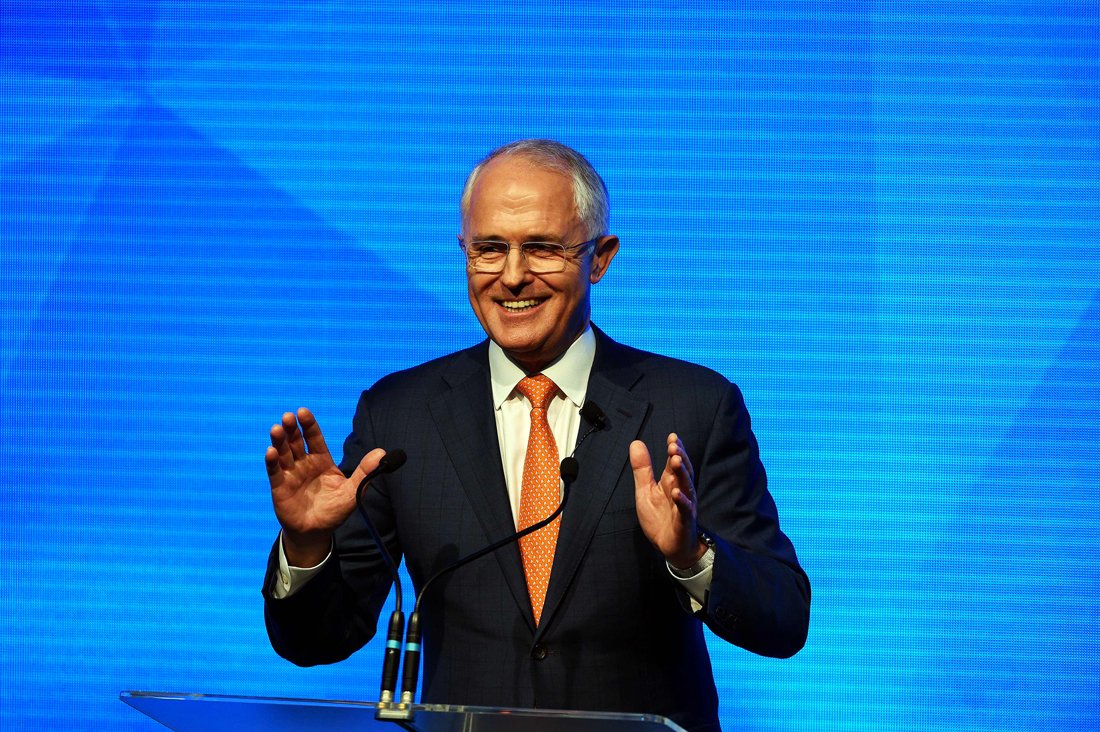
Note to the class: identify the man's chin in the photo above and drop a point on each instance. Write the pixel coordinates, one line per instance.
(518, 350)
(527, 352)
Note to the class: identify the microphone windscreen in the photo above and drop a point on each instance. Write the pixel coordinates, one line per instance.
(392, 460)
(569, 469)
(592, 414)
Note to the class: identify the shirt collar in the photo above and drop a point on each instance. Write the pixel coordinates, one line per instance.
(570, 372)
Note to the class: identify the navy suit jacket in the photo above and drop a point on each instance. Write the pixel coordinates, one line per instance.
(617, 633)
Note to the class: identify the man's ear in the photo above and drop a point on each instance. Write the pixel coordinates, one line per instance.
(606, 248)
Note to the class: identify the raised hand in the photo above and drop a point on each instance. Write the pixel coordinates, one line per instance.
(667, 507)
(310, 495)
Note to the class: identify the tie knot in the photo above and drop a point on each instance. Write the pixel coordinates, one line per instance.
(539, 389)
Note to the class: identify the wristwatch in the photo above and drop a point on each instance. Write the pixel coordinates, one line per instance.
(703, 563)
(707, 559)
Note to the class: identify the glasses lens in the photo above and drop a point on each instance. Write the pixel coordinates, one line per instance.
(543, 257)
(487, 256)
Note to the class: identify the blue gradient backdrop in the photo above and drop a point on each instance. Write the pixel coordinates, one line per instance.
(879, 218)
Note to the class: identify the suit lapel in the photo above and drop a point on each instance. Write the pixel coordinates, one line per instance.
(602, 458)
(463, 415)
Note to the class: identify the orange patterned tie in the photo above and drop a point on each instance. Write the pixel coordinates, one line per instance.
(539, 492)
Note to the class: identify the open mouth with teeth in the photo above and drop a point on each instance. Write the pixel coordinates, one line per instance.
(519, 306)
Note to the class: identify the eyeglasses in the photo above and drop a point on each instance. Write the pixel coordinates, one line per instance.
(540, 257)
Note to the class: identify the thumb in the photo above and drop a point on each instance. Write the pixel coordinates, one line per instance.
(369, 462)
(641, 464)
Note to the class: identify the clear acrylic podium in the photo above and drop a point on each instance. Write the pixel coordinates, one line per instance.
(212, 713)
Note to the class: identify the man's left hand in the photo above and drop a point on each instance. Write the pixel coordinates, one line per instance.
(666, 508)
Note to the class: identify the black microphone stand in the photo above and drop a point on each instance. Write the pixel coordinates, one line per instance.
(392, 460)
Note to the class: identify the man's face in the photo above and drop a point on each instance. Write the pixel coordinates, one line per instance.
(534, 318)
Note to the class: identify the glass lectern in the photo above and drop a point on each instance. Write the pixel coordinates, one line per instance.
(212, 713)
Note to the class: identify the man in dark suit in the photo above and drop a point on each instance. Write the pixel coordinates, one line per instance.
(602, 609)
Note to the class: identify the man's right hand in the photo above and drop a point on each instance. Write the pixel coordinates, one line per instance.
(310, 494)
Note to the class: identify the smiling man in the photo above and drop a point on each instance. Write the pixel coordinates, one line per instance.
(603, 609)
(534, 316)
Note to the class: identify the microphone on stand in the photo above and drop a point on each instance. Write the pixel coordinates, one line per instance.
(390, 462)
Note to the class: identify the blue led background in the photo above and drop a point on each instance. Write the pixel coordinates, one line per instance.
(879, 218)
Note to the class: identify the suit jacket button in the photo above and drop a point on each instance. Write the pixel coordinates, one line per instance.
(538, 652)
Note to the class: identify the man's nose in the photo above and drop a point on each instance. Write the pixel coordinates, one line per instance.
(515, 269)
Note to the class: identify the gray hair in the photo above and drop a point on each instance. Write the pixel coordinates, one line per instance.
(589, 190)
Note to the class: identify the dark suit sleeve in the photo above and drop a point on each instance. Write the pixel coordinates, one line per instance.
(336, 612)
(759, 596)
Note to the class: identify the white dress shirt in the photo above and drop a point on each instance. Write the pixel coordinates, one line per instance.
(512, 410)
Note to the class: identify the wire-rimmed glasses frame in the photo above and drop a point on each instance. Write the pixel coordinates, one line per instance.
(540, 257)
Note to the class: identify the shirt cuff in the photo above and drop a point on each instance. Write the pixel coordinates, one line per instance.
(292, 579)
(695, 580)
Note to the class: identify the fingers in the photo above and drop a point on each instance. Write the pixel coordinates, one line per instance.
(294, 436)
(274, 468)
(314, 440)
(281, 444)
(676, 448)
(684, 502)
(641, 464)
(369, 462)
(678, 472)
(678, 478)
